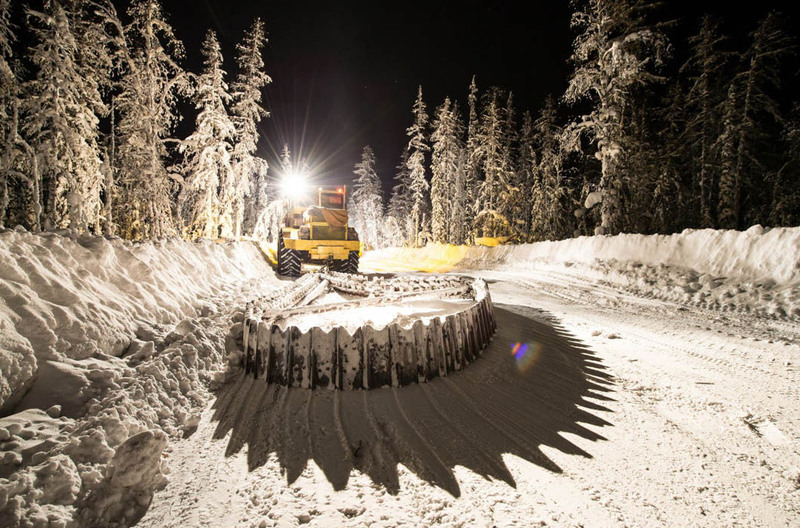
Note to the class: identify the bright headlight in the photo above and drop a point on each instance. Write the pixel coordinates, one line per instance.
(293, 185)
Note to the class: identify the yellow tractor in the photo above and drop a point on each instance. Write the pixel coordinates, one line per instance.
(318, 234)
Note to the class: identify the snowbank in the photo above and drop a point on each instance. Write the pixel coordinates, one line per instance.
(64, 296)
(107, 349)
(757, 269)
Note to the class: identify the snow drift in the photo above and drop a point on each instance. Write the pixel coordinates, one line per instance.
(107, 350)
(69, 297)
(757, 269)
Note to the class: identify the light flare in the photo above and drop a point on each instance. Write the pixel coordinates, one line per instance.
(526, 355)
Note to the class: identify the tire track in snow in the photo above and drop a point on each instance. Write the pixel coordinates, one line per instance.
(648, 332)
(744, 365)
(478, 449)
(428, 453)
(520, 443)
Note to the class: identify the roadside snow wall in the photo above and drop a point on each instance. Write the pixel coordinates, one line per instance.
(107, 351)
(705, 266)
(69, 297)
(754, 254)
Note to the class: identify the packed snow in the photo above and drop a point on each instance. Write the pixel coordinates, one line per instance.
(352, 318)
(660, 390)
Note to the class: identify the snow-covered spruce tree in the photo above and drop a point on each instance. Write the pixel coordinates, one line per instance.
(418, 184)
(12, 180)
(461, 210)
(705, 70)
(614, 53)
(496, 191)
(473, 159)
(671, 199)
(729, 186)
(205, 199)
(445, 165)
(394, 225)
(398, 222)
(286, 160)
(289, 167)
(147, 112)
(513, 203)
(104, 51)
(549, 217)
(367, 201)
(639, 167)
(528, 160)
(785, 210)
(490, 144)
(60, 119)
(250, 171)
(746, 200)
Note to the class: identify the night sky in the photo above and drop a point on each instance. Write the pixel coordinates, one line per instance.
(345, 73)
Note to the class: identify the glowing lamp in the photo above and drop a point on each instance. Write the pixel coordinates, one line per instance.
(293, 185)
(339, 190)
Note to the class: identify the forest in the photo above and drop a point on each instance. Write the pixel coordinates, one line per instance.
(87, 121)
(639, 142)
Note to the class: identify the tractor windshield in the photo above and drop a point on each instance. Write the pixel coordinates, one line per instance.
(331, 200)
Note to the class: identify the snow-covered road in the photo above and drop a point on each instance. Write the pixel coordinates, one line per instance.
(654, 382)
(628, 411)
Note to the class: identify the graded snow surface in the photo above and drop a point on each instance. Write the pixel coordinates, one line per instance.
(405, 313)
(634, 381)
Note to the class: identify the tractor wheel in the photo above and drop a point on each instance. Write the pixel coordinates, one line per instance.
(288, 260)
(350, 265)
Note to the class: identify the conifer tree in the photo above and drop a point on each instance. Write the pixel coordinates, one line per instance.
(60, 119)
(638, 167)
(460, 215)
(418, 184)
(400, 204)
(729, 186)
(785, 210)
(270, 218)
(489, 151)
(526, 170)
(496, 189)
(206, 199)
(445, 165)
(757, 109)
(671, 200)
(615, 52)
(249, 170)
(512, 201)
(473, 154)
(366, 208)
(10, 176)
(146, 104)
(286, 160)
(102, 42)
(548, 215)
(703, 104)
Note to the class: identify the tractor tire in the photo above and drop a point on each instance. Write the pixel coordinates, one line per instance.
(350, 265)
(288, 260)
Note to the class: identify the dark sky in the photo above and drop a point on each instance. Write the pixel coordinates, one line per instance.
(345, 73)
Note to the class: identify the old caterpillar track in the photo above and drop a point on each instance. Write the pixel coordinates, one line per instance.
(401, 352)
